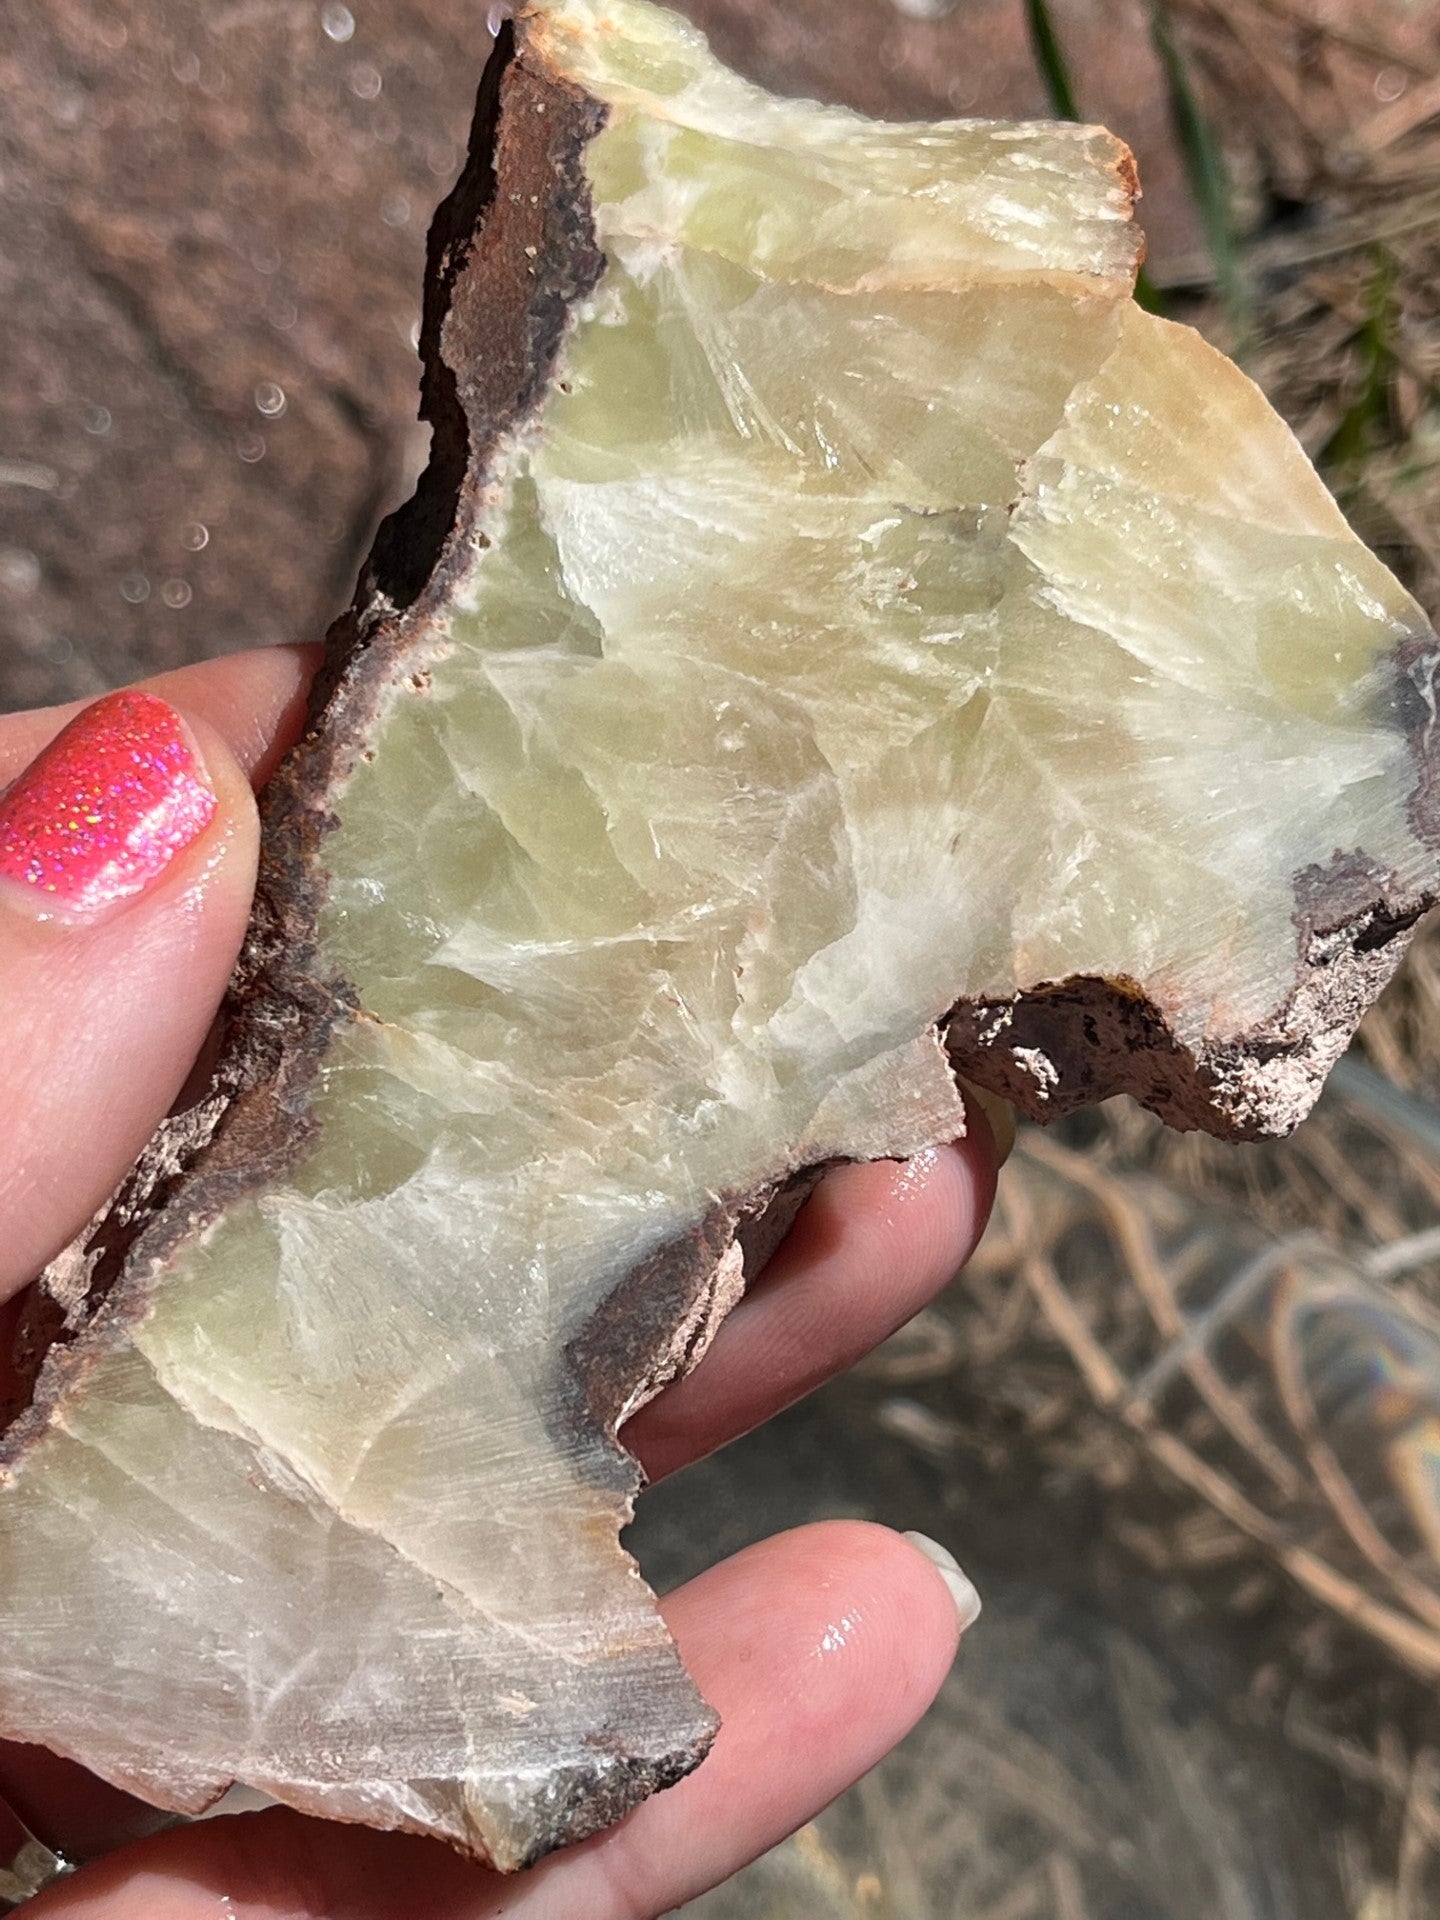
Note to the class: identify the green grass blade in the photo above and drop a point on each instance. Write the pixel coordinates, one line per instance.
(1050, 59)
(1208, 176)
(1368, 414)
(1148, 295)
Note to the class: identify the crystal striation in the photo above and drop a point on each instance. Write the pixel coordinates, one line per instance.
(840, 638)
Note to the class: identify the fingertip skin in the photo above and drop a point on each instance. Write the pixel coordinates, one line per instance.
(103, 1014)
(256, 701)
(871, 1247)
(820, 1648)
(859, 1616)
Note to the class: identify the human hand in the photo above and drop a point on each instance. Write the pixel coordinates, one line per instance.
(819, 1648)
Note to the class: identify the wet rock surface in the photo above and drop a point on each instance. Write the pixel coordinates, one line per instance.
(213, 223)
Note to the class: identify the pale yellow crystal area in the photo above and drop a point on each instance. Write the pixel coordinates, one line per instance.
(882, 611)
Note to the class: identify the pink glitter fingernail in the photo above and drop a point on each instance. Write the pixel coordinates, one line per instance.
(105, 808)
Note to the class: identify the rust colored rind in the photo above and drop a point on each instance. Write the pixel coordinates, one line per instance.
(584, 1803)
(1068, 1043)
(657, 1324)
(1415, 681)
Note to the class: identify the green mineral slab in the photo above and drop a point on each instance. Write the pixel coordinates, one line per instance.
(840, 641)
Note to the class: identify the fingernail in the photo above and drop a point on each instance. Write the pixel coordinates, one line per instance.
(998, 1112)
(962, 1589)
(105, 808)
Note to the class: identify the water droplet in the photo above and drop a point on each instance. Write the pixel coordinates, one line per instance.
(112, 34)
(28, 473)
(337, 23)
(186, 68)
(269, 400)
(838, 1634)
(67, 106)
(98, 420)
(135, 588)
(365, 81)
(265, 259)
(283, 314)
(176, 594)
(441, 158)
(196, 536)
(250, 447)
(395, 210)
(1390, 83)
(19, 570)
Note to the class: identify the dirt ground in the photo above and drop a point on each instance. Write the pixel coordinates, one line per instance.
(1200, 1690)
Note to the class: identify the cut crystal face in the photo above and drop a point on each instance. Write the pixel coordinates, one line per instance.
(856, 621)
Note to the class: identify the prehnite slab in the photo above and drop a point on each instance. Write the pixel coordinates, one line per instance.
(840, 636)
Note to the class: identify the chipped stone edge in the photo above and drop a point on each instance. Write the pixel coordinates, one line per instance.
(1069, 1043)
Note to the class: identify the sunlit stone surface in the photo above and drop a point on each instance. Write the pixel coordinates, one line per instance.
(873, 614)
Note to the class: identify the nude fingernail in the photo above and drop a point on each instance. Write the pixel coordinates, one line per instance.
(102, 812)
(962, 1588)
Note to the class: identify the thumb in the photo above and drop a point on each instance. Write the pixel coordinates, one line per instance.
(127, 862)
